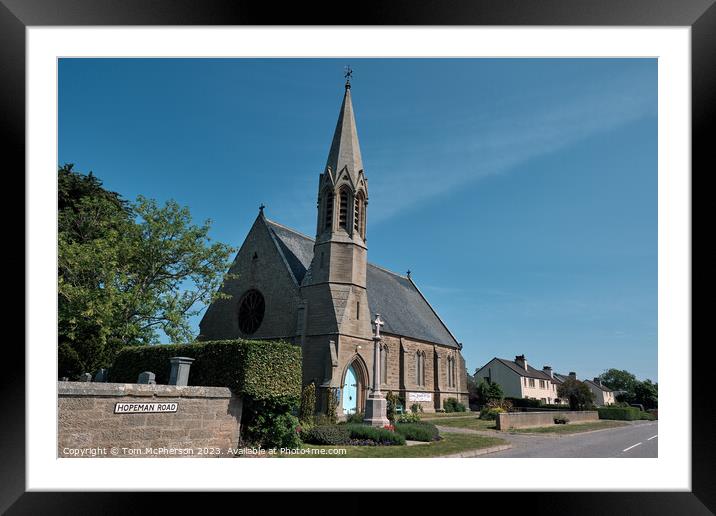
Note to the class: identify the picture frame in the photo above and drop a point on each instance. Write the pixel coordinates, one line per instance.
(699, 15)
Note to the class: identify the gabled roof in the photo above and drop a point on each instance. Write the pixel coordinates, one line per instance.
(600, 387)
(396, 298)
(531, 372)
(345, 150)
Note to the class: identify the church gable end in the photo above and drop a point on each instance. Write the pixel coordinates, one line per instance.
(264, 264)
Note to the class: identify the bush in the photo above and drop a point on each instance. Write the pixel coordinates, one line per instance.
(327, 435)
(416, 407)
(379, 435)
(561, 420)
(525, 402)
(619, 413)
(490, 413)
(273, 427)
(355, 418)
(647, 416)
(392, 406)
(422, 431)
(308, 404)
(263, 370)
(409, 417)
(452, 405)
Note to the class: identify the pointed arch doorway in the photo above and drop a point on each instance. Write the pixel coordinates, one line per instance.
(353, 388)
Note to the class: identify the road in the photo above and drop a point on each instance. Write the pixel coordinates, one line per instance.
(638, 439)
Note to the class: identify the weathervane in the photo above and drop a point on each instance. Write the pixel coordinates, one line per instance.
(348, 75)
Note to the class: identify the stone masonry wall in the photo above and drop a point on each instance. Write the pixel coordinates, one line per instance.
(508, 420)
(206, 423)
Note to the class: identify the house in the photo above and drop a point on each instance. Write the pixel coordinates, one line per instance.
(603, 395)
(520, 380)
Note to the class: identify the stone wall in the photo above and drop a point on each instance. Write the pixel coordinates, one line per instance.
(206, 422)
(508, 420)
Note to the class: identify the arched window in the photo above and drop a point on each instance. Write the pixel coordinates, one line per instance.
(359, 215)
(328, 216)
(420, 368)
(343, 212)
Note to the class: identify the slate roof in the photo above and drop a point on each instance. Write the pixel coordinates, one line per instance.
(530, 373)
(396, 298)
(561, 378)
(600, 387)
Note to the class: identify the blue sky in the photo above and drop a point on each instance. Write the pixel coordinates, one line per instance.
(521, 193)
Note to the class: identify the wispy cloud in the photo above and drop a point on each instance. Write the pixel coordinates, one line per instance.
(482, 146)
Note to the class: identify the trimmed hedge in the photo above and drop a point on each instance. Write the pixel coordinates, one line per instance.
(327, 435)
(453, 405)
(619, 413)
(422, 431)
(263, 370)
(379, 435)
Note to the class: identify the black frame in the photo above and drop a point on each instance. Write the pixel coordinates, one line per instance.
(700, 15)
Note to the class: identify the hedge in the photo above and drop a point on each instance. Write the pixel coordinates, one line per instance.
(421, 431)
(379, 435)
(263, 370)
(620, 413)
(326, 435)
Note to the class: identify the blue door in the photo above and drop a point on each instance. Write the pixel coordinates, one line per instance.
(350, 392)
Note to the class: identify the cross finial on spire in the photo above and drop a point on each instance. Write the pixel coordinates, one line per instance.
(408, 273)
(261, 207)
(348, 75)
(378, 323)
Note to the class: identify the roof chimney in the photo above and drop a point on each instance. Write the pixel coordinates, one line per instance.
(598, 381)
(573, 375)
(521, 361)
(548, 371)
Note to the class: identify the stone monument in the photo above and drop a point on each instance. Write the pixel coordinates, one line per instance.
(376, 405)
(179, 374)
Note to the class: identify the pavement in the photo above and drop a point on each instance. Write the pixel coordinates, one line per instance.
(636, 439)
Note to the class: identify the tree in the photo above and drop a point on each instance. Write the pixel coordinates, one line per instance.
(647, 393)
(579, 395)
(619, 380)
(487, 392)
(127, 270)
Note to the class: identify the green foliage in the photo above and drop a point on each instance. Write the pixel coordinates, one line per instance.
(261, 370)
(331, 407)
(391, 406)
(561, 420)
(378, 435)
(525, 402)
(419, 431)
(647, 416)
(308, 404)
(486, 392)
(69, 362)
(272, 426)
(619, 413)
(453, 405)
(490, 413)
(127, 270)
(416, 407)
(578, 393)
(327, 435)
(355, 418)
(619, 380)
(408, 417)
(647, 394)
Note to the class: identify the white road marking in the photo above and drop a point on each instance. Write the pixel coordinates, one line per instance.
(630, 447)
(650, 438)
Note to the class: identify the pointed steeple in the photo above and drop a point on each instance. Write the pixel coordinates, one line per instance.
(345, 150)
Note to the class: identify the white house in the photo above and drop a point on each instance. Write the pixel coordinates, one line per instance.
(520, 380)
(602, 394)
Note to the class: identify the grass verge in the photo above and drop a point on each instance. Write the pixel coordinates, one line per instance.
(450, 444)
(570, 428)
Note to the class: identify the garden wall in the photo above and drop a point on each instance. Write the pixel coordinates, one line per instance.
(508, 420)
(116, 420)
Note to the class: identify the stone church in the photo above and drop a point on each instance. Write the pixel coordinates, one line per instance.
(321, 293)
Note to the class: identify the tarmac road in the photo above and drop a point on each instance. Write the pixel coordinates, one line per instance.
(638, 439)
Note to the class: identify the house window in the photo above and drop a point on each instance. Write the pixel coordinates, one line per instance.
(532, 382)
(541, 384)
(343, 211)
(328, 218)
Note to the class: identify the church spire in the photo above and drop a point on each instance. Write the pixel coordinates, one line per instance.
(345, 150)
